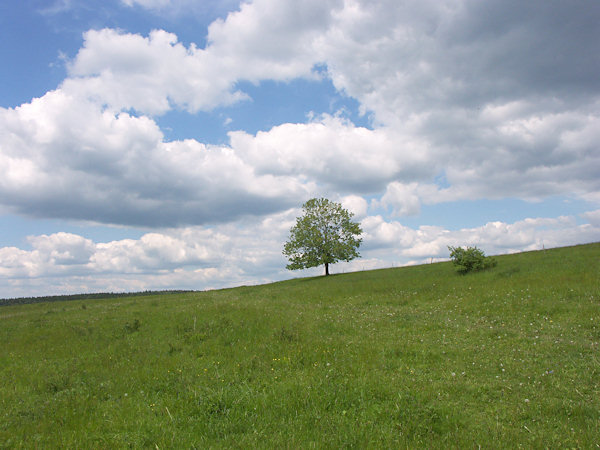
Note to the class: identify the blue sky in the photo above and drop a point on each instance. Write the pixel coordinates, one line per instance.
(162, 144)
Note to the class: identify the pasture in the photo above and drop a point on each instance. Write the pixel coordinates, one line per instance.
(407, 357)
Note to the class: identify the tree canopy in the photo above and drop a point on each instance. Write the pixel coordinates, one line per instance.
(323, 235)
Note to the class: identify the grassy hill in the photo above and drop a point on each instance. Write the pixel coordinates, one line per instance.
(417, 356)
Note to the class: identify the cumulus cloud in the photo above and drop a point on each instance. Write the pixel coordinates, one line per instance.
(276, 40)
(356, 205)
(191, 257)
(149, 74)
(63, 248)
(402, 199)
(151, 4)
(593, 217)
(69, 158)
(433, 55)
(66, 158)
(385, 238)
(249, 253)
(264, 40)
(505, 94)
(493, 98)
(334, 152)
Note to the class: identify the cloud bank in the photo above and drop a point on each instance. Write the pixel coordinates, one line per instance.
(235, 254)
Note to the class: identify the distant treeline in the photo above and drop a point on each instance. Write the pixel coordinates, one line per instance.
(99, 295)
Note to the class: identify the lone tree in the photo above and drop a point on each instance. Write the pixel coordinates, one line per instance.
(325, 234)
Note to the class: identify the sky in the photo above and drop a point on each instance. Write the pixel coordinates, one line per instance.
(164, 144)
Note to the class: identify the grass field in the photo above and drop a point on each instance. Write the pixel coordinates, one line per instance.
(410, 357)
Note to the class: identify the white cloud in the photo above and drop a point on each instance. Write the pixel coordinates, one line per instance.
(593, 217)
(63, 248)
(193, 258)
(449, 78)
(149, 74)
(356, 205)
(503, 118)
(418, 56)
(423, 69)
(263, 40)
(402, 198)
(334, 152)
(391, 239)
(269, 39)
(150, 4)
(65, 157)
(249, 252)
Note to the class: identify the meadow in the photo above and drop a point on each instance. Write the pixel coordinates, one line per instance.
(413, 357)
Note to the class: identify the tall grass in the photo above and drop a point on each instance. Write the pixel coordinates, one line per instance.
(410, 357)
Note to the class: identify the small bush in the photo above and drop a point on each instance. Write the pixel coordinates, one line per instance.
(470, 259)
(132, 327)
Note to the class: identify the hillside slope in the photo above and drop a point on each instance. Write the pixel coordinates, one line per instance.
(417, 356)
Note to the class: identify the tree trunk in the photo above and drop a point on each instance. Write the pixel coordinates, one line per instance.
(326, 269)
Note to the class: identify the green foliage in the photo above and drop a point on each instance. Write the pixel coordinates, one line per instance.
(470, 259)
(412, 357)
(325, 234)
(132, 327)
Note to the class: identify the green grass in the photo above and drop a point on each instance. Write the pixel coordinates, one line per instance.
(410, 357)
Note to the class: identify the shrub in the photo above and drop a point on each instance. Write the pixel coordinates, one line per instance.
(470, 259)
(132, 327)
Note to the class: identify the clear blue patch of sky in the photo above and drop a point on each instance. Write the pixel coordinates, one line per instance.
(271, 103)
(28, 53)
(475, 213)
(205, 127)
(275, 102)
(35, 33)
